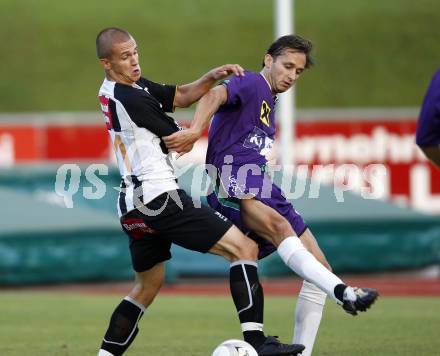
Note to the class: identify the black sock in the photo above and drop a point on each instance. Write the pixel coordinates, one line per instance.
(254, 337)
(248, 297)
(339, 291)
(122, 328)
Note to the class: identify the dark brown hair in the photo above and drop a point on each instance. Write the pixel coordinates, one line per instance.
(293, 42)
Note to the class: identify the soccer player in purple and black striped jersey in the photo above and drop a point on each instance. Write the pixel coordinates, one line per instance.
(240, 136)
(153, 211)
(428, 125)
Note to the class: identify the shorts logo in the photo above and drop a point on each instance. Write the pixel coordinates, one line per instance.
(264, 113)
(221, 216)
(137, 228)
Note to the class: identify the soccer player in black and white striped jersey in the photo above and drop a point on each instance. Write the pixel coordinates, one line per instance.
(153, 211)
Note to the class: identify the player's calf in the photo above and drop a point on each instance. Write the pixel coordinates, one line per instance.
(122, 328)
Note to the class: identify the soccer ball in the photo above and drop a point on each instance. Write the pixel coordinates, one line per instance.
(234, 348)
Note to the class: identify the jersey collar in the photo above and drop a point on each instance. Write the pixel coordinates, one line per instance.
(275, 97)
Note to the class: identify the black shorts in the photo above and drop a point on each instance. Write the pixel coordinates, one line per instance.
(171, 218)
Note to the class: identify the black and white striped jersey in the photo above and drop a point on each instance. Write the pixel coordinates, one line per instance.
(136, 121)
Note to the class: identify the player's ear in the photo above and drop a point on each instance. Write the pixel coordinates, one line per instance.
(105, 63)
(268, 60)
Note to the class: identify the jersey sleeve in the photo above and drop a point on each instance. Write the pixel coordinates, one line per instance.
(144, 112)
(239, 89)
(428, 125)
(164, 93)
(437, 98)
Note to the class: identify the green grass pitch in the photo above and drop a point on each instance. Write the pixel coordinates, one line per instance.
(65, 324)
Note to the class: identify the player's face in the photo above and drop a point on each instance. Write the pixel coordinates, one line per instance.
(283, 71)
(124, 63)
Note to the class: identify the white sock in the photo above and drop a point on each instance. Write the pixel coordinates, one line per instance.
(308, 314)
(349, 294)
(302, 262)
(104, 353)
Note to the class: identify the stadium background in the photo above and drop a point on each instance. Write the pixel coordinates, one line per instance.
(358, 105)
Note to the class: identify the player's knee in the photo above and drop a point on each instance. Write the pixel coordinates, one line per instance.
(246, 249)
(145, 291)
(234, 246)
(145, 294)
(279, 227)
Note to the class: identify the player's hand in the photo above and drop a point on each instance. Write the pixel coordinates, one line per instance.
(185, 150)
(181, 141)
(226, 70)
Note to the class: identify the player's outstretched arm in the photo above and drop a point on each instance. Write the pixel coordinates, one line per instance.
(188, 94)
(183, 141)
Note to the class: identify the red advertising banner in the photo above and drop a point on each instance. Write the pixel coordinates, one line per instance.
(406, 176)
(27, 144)
(18, 143)
(77, 143)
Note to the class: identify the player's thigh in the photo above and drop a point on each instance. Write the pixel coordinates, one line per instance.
(310, 243)
(234, 245)
(229, 207)
(147, 248)
(195, 228)
(265, 221)
(152, 277)
(203, 229)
